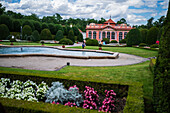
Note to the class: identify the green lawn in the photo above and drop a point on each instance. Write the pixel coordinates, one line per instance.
(29, 43)
(129, 50)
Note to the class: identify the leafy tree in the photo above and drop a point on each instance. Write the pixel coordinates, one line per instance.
(30, 23)
(71, 35)
(2, 9)
(161, 93)
(76, 31)
(150, 23)
(152, 35)
(4, 32)
(4, 19)
(26, 31)
(66, 41)
(58, 17)
(46, 35)
(101, 21)
(52, 28)
(16, 26)
(58, 27)
(143, 35)
(59, 35)
(44, 26)
(65, 31)
(36, 35)
(37, 26)
(80, 37)
(133, 37)
(122, 21)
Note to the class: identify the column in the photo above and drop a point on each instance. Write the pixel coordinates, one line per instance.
(117, 36)
(123, 35)
(110, 35)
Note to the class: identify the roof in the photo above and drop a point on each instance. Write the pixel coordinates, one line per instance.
(110, 21)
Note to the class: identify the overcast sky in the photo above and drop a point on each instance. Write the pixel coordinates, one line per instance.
(136, 12)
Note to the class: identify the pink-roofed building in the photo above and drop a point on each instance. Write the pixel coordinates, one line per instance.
(108, 29)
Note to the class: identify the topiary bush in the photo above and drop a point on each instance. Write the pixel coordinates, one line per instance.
(154, 46)
(46, 35)
(26, 31)
(4, 32)
(133, 37)
(36, 35)
(66, 41)
(144, 33)
(59, 35)
(106, 40)
(152, 35)
(142, 45)
(92, 42)
(122, 41)
(114, 41)
(71, 36)
(29, 23)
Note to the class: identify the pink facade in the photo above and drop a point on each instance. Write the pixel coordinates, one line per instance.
(109, 29)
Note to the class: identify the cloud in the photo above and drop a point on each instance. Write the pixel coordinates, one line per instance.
(164, 4)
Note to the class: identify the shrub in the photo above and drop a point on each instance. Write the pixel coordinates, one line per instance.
(58, 27)
(36, 35)
(152, 35)
(29, 23)
(106, 40)
(4, 32)
(26, 31)
(92, 42)
(37, 26)
(59, 35)
(80, 37)
(4, 19)
(71, 36)
(122, 41)
(142, 45)
(45, 34)
(66, 41)
(133, 37)
(144, 33)
(114, 41)
(154, 46)
(16, 26)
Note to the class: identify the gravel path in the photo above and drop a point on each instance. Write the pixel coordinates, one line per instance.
(53, 63)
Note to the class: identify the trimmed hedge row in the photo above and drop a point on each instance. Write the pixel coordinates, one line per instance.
(134, 103)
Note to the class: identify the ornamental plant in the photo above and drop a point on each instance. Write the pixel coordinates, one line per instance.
(91, 98)
(108, 105)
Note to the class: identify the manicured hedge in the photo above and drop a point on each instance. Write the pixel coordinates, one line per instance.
(134, 103)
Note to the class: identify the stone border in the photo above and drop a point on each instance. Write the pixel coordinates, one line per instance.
(112, 56)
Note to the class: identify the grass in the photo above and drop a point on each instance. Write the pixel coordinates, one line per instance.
(129, 50)
(29, 43)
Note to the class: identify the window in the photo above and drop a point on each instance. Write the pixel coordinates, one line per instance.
(120, 36)
(103, 35)
(125, 33)
(94, 35)
(108, 35)
(113, 35)
(99, 35)
(90, 34)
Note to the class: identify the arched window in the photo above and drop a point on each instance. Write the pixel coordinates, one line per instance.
(94, 35)
(90, 34)
(125, 33)
(108, 35)
(99, 35)
(113, 35)
(120, 36)
(103, 35)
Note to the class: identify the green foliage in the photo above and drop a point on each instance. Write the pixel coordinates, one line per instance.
(133, 37)
(16, 26)
(114, 41)
(44, 26)
(36, 35)
(30, 23)
(161, 93)
(92, 42)
(142, 45)
(76, 31)
(143, 35)
(59, 35)
(152, 35)
(4, 32)
(4, 19)
(66, 41)
(152, 64)
(80, 37)
(154, 46)
(58, 27)
(122, 41)
(71, 36)
(37, 26)
(46, 35)
(106, 40)
(52, 28)
(26, 31)
(2, 9)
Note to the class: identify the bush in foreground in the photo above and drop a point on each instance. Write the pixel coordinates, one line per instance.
(66, 41)
(92, 42)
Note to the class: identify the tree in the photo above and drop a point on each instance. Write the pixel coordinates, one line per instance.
(80, 37)
(37, 26)
(44, 26)
(4, 19)
(122, 21)
(30, 23)
(26, 31)
(133, 37)
(36, 35)
(144, 33)
(59, 35)
(150, 23)
(76, 31)
(101, 21)
(71, 35)
(152, 35)
(46, 35)
(2, 9)
(16, 26)
(4, 32)
(52, 28)
(58, 27)
(59, 18)
(161, 84)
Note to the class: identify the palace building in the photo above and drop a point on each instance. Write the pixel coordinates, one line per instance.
(108, 29)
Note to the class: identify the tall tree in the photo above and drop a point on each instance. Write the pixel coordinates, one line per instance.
(59, 35)
(4, 19)
(16, 26)
(26, 31)
(150, 23)
(4, 32)
(152, 35)
(122, 21)
(71, 35)
(2, 9)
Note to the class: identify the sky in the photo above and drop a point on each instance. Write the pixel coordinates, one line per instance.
(136, 12)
